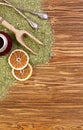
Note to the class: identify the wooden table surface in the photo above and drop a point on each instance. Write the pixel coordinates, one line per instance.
(53, 98)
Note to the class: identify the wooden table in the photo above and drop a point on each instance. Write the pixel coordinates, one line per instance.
(53, 98)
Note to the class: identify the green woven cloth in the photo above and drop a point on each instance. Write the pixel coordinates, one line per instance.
(44, 34)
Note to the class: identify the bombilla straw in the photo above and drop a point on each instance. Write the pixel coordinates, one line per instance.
(39, 14)
(32, 24)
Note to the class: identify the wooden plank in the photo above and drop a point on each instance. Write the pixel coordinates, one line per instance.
(53, 98)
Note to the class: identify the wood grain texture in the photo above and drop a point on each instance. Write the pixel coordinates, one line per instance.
(53, 98)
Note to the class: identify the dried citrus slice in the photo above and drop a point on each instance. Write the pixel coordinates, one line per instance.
(23, 74)
(18, 59)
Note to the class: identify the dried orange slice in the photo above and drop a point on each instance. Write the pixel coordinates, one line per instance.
(23, 74)
(18, 59)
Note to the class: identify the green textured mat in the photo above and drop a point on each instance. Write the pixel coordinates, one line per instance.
(44, 34)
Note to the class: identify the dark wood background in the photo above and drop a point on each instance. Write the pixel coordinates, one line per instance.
(53, 98)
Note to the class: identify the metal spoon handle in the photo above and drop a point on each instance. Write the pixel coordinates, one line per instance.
(32, 24)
